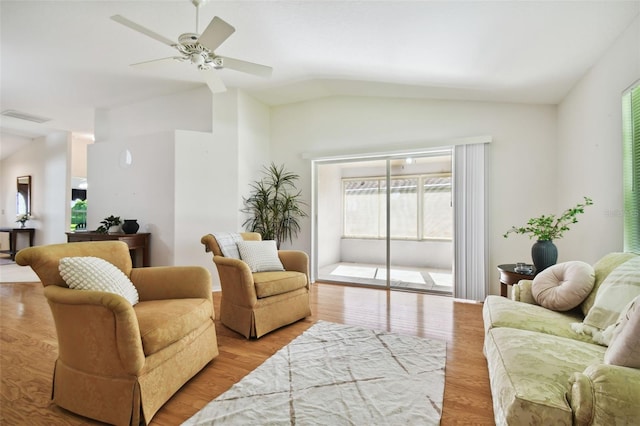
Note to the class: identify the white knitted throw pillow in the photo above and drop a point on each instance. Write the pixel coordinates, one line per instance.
(93, 273)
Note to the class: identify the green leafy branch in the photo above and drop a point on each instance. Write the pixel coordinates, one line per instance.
(550, 227)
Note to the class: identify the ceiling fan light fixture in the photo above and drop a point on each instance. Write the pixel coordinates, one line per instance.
(198, 58)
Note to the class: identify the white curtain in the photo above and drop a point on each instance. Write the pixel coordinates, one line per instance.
(470, 221)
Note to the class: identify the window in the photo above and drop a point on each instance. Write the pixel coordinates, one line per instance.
(631, 168)
(415, 214)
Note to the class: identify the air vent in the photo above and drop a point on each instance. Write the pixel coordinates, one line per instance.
(24, 116)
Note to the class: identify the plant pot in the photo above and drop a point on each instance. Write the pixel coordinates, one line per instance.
(130, 226)
(115, 229)
(544, 254)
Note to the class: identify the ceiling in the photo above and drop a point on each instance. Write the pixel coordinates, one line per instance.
(64, 59)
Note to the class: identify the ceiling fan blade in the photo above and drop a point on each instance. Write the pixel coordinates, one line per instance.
(216, 33)
(139, 28)
(248, 67)
(213, 80)
(154, 62)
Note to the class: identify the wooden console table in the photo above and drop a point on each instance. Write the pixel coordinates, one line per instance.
(13, 233)
(136, 242)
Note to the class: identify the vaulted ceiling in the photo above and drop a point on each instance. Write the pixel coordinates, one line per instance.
(64, 59)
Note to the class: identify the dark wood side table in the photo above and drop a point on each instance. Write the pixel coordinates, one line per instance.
(136, 242)
(509, 276)
(13, 233)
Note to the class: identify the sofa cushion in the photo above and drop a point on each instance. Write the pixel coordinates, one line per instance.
(163, 322)
(602, 268)
(261, 256)
(624, 348)
(272, 283)
(499, 311)
(529, 374)
(620, 287)
(94, 273)
(563, 286)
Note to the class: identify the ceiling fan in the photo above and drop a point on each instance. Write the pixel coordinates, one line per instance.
(199, 49)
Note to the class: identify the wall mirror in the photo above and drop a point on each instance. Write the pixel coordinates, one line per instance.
(23, 198)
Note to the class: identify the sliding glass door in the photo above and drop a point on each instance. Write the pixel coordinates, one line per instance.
(386, 222)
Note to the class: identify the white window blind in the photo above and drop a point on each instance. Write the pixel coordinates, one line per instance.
(470, 222)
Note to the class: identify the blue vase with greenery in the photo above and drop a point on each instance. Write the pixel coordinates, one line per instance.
(547, 228)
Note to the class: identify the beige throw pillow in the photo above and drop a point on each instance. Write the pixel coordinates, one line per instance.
(620, 287)
(563, 286)
(261, 256)
(93, 273)
(624, 348)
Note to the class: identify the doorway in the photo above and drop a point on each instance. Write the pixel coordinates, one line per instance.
(386, 222)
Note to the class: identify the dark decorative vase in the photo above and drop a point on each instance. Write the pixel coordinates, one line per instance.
(544, 254)
(130, 226)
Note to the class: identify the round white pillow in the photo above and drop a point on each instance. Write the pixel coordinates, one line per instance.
(563, 286)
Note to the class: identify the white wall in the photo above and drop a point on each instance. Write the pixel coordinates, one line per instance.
(329, 213)
(241, 140)
(196, 205)
(143, 190)
(46, 159)
(186, 179)
(253, 146)
(224, 186)
(79, 145)
(522, 156)
(146, 190)
(590, 150)
(190, 110)
(241, 133)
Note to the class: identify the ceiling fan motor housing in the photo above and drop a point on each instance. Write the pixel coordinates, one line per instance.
(188, 38)
(193, 51)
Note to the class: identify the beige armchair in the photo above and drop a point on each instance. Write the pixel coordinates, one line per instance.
(117, 362)
(254, 304)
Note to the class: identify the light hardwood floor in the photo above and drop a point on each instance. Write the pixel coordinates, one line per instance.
(28, 351)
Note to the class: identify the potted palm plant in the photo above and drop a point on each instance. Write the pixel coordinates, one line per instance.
(274, 205)
(547, 228)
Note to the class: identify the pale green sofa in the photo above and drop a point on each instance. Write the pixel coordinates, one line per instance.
(543, 373)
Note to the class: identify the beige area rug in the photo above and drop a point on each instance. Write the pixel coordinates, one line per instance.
(336, 374)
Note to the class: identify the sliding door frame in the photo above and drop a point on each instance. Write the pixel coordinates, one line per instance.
(470, 271)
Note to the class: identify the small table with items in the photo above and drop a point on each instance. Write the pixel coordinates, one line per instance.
(136, 242)
(13, 241)
(510, 274)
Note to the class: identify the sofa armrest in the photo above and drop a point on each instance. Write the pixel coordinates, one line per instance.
(172, 282)
(97, 331)
(521, 292)
(604, 395)
(295, 260)
(236, 281)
